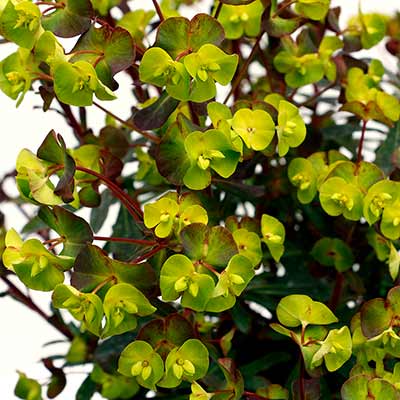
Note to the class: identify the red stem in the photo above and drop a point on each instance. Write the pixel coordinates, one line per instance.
(361, 143)
(130, 204)
(27, 301)
(337, 291)
(73, 122)
(126, 240)
(147, 255)
(245, 66)
(218, 10)
(158, 9)
(253, 395)
(301, 379)
(129, 125)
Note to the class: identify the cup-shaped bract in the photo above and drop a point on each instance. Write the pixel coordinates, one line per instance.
(161, 215)
(20, 23)
(273, 235)
(338, 197)
(34, 265)
(295, 310)
(122, 303)
(380, 195)
(208, 65)
(302, 174)
(76, 83)
(255, 127)
(158, 68)
(239, 20)
(291, 129)
(85, 307)
(140, 360)
(335, 350)
(178, 277)
(208, 150)
(189, 362)
(313, 9)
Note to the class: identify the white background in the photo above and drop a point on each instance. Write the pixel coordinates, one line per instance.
(22, 333)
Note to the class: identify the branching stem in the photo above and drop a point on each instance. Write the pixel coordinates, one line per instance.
(158, 10)
(243, 71)
(103, 283)
(129, 125)
(126, 240)
(27, 301)
(130, 204)
(361, 143)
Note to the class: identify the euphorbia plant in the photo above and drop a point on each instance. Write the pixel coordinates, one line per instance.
(251, 197)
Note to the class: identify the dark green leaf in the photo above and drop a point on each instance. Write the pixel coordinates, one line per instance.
(155, 115)
(177, 34)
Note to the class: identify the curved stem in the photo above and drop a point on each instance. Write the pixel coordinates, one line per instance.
(129, 125)
(126, 240)
(361, 143)
(239, 76)
(56, 322)
(151, 253)
(158, 9)
(103, 283)
(283, 8)
(130, 204)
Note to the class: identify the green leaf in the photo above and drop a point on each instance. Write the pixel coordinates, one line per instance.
(122, 303)
(93, 267)
(376, 317)
(135, 22)
(296, 309)
(114, 386)
(169, 332)
(385, 152)
(139, 359)
(125, 227)
(234, 381)
(70, 20)
(27, 388)
(74, 230)
(157, 114)
(313, 9)
(188, 362)
(215, 246)
(360, 387)
(333, 252)
(111, 50)
(177, 35)
(171, 157)
(249, 245)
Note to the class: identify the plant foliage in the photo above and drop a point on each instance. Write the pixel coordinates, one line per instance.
(250, 192)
